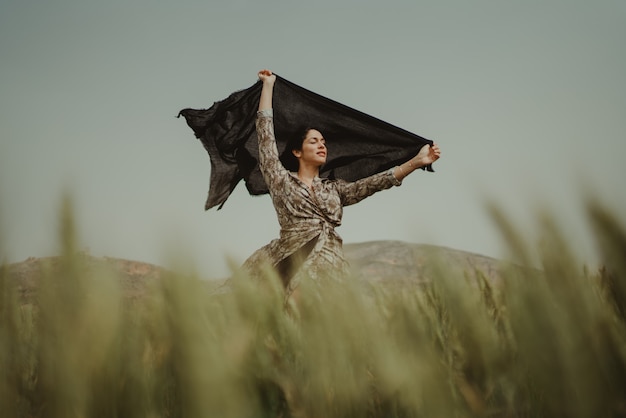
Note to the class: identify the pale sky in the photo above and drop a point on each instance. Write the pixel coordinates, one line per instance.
(527, 100)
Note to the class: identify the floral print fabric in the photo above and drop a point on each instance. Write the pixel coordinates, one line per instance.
(304, 213)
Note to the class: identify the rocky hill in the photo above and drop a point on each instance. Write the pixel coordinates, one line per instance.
(388, 262)
(376, 262)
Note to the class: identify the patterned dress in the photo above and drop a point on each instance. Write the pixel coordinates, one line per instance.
(307, 216)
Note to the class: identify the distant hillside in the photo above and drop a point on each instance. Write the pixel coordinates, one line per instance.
(134, 274)
(377, 262)
(388, 262)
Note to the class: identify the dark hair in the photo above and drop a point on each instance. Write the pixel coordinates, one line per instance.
(295, 143)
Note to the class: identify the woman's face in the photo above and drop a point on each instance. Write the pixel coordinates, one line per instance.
(313, 149)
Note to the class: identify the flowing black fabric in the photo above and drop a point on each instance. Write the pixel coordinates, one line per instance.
(358, 145)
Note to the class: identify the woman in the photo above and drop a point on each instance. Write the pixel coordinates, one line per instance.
(309, 208)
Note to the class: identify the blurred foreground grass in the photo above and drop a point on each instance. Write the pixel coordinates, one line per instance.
(547, 342)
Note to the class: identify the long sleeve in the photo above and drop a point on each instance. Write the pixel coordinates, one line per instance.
(354, 192)
(272, 169)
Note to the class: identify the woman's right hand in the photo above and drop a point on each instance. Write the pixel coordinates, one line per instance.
(266, 76)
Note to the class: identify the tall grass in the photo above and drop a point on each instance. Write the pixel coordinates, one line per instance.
(548, 342)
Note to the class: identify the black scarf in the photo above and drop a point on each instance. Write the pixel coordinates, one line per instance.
(358, 145)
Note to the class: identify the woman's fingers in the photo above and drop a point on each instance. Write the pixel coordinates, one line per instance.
(266, 75)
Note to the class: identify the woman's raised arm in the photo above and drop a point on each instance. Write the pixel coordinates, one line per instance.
(267, 91)
(272, 169)
(427, 155)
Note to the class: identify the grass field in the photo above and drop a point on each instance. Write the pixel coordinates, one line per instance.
(548, 342)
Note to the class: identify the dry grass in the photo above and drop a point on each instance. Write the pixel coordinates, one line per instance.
(543, 343)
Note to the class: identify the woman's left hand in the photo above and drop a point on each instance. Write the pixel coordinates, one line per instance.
(428, 155)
